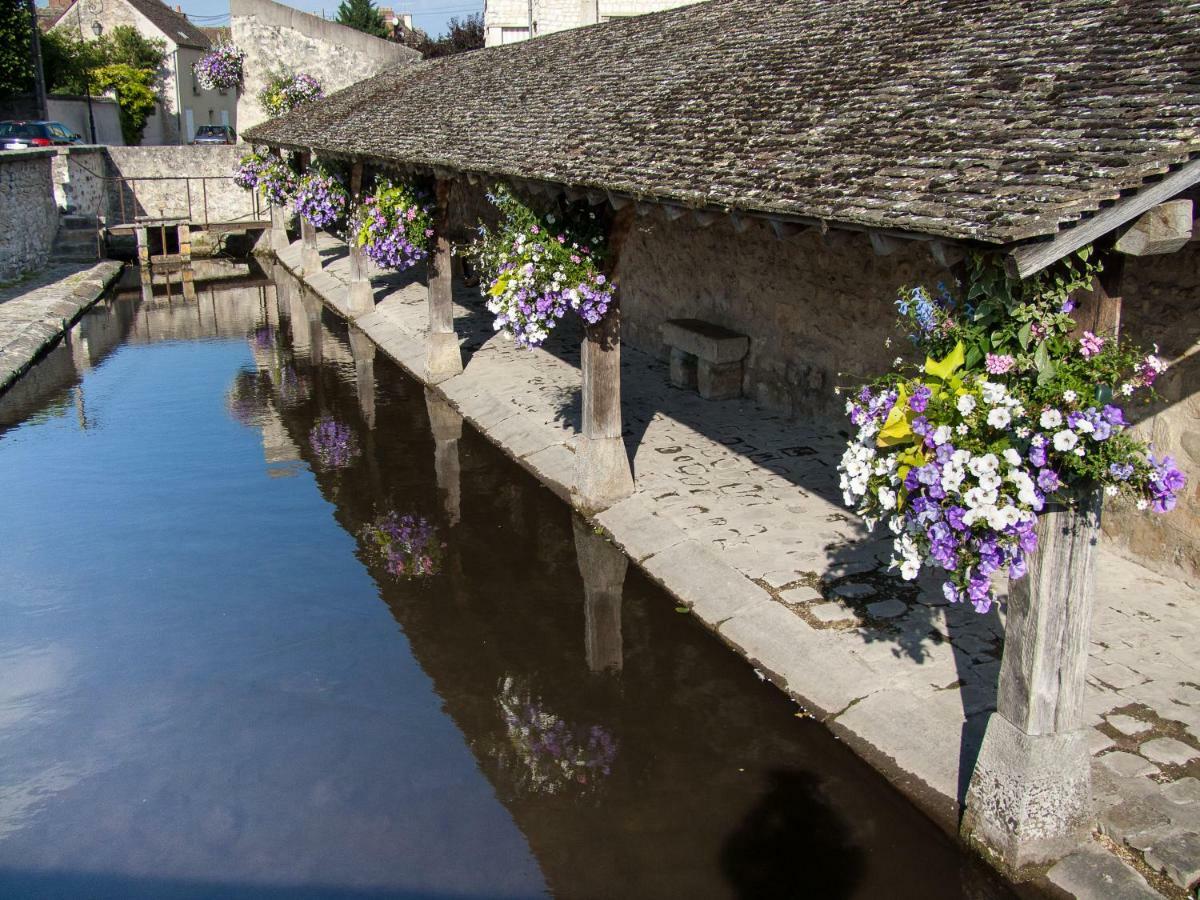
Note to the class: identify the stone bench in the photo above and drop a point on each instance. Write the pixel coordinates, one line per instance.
(705, 357)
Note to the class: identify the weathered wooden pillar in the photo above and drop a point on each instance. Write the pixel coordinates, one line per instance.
(602, 472)
(1030, 797)
(143, 247)
(446, 423)
(603, 568)
(362, 298)
(444, 357)
(363, 350)
(183, 232)
(146, 277)
(310, 257)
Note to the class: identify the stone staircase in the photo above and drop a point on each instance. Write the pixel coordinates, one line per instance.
(77, 238)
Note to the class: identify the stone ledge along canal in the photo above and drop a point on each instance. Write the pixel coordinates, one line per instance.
(275, 624)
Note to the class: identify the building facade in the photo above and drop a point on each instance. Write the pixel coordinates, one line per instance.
(509, 21)
(183, 104)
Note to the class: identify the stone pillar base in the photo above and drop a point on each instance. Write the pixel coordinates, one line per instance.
(1030, 799)
(602, 473)
(362, 298)
(310, 259)
(444, 359)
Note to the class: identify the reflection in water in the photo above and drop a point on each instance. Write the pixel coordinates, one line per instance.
(333, 443)
(245, 700)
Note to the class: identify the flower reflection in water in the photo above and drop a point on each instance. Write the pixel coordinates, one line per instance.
(408, 545)
(263, 338)
(334, 443)
(247, 399)
(552, 756)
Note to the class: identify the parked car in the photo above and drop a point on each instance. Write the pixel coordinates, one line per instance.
(21, 135)
(214, 134)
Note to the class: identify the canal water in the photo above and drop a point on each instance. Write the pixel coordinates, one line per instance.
(273, 623)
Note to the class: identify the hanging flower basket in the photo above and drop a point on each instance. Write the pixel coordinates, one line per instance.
(221, 68)
(321, 199)
(540, 266)
(267, 173)
(393, 226)
(408, 546)
(285, 92)
(1011, 410)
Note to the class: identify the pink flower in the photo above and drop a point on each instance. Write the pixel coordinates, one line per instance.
(575, 259)
(1090, 345)
(536, 230)
(999, 363)
(562, 238)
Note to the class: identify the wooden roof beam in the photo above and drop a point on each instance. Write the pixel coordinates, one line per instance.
(1164, 229)
(1028, 259)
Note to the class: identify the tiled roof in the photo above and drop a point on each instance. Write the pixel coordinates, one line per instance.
(993, 120)
(174, 25)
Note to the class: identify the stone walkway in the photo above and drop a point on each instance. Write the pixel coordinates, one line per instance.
(35, 312)
(736, 513)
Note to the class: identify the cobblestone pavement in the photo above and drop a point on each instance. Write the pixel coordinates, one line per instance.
(34, 310)
(736, 512)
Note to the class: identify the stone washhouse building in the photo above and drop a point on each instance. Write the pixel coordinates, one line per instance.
(774, 172)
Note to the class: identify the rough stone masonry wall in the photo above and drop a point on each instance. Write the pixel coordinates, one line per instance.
(276, 37)
(79, 185)
(819, 310)
(28, 214)
(1161, 305)
(226, 202)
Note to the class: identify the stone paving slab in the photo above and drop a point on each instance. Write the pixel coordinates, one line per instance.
(736, 512)
(36, 312)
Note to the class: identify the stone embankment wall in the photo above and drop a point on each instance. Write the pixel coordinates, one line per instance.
(28, 213)
(275, 36)
(819, 310)
(79, 185)
(162, 181)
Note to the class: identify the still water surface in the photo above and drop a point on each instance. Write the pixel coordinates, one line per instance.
(215, 683)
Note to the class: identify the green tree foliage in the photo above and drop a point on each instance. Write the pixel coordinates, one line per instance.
(16, 56)
(122, 61)
(362, 15)
(461, 36)
(136, 94)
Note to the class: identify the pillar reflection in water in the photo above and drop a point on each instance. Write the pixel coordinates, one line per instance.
(446, 424)
(603, 568)
(363, 350)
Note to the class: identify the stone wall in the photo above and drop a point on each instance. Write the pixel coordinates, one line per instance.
(28, 214)
(275, 36)
(73, 112)
(557, 15)
(1161, 305)
(158, 179)
(79, 185)
(798, 300)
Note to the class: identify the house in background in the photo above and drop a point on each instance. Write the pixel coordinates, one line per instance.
(183, 104)
(509, 21)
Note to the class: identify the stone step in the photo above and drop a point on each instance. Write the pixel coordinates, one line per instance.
(73, 222)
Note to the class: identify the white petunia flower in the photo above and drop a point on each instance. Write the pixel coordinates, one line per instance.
(999, 417)
(941, 434)
(1051, 418)
(887, 498)
(1012, 457)
(1065, 440)
(966, 404)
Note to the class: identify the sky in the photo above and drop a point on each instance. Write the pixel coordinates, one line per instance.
(431, 15)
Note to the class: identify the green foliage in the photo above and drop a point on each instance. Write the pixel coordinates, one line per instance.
(362, 15)
(16, 54)
(136, 96)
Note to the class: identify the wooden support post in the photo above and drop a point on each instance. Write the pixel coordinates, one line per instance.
(1030, 796)
(362, 348)
(147, 280)
(310, 257)
(362, 298)
(446, 423)
(143, 247)
(603, 568)
(183, 232)
(602, 472)
(187, 281)
(444, 357)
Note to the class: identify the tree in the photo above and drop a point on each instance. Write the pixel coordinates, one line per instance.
(122, 61)
(362, 15)
(16, 56)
